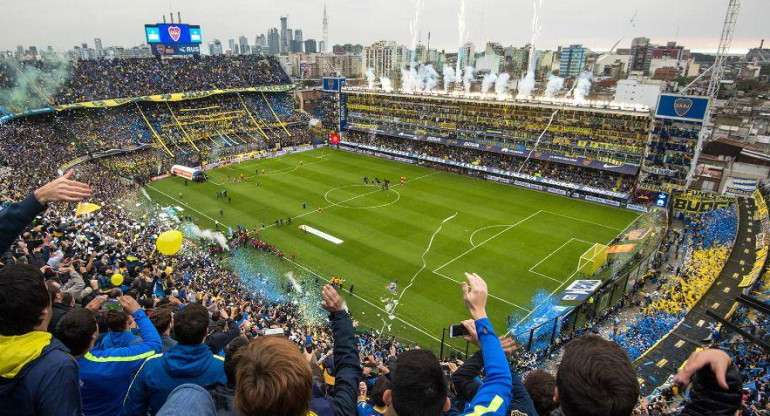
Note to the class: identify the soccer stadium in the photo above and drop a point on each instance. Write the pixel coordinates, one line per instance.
(274, 230)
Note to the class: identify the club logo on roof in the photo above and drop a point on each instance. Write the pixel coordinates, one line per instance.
(682, 106)
(175, 32)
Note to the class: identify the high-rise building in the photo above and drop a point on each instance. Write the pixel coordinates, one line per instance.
(243, 44)
(215, 47)
(261, 41)
(384, 57)
(273, 42)
(298, 42)
(321, 46)
(311, 46)
(572, 60)
(325, 42)
(284, 37)
(641, 55)
(467, 55)
(289, 40)
(98, 46)
(233, 47)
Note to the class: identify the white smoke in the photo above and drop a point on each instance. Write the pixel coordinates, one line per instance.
(583, 86)
(294, 283)
(526, 85)
(408, 80)
(429, 78)
(468, 78)
(370, 77)
(488, 82)
(387, 86)
(527, 82)
(555, 83)
(501, 85)
(210, 235)
(449, 76)
(461, 36)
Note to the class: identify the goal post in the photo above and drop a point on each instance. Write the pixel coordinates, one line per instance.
(593, 259)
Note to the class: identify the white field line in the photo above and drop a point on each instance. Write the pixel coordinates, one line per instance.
(348, 200)
(375, 306)
(320, 276)
(424, 265)
(487, 240)
(532, 269)
(281, 171)
(573, 274)
(485, 228)
(489, 294)
(582, 220)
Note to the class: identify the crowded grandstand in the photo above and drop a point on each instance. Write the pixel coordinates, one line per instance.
(180, 236)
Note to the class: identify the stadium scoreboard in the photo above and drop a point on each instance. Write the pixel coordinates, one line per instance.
(173, 39)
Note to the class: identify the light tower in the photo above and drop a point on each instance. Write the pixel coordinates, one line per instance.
(325, 29)
(717, 70)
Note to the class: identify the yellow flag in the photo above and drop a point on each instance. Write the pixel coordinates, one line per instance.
(86, 208)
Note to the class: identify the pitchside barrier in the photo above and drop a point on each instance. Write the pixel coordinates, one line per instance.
(617, 276)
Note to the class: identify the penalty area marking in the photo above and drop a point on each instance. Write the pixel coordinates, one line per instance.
(532, 269)
(340, 203)
(319, 233)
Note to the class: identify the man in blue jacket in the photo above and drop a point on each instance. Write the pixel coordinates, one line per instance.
(419, 386)
(190, 361)
(106, 372)
(37, 375)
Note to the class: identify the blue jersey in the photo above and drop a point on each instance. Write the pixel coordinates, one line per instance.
(365, 409)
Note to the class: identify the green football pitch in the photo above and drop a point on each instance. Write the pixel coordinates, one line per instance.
(425, 234)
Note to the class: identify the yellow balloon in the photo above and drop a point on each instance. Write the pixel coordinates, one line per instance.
(116, 279)
(169, 270)
(169, 242)
(119, 235)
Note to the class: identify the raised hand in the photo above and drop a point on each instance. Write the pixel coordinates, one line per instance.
(717, 360)
(475, 298)
(63, 189)
(332, 301)
(129, 304)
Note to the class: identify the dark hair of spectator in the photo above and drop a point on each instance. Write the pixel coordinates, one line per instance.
(231, 358)
(66, 298)
(595, 378)
(23, 298)
(378, 390)
(76, 329)
(191, 324)
(161, 319)
(541, 385)
(272, 379)
(116, 320)
(53, 289)
(419, 386)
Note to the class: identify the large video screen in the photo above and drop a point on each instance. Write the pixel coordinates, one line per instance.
(172, 33)
(682, 107)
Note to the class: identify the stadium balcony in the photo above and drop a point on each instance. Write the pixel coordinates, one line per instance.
(564, 179)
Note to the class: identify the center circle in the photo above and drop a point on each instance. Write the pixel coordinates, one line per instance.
(361, 197)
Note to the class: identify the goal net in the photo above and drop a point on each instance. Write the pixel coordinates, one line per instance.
(593, 259)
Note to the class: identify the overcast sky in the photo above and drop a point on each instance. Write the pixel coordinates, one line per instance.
(595, 23)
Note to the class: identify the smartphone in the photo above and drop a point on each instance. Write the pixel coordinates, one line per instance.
(458, 330)
(112, 305)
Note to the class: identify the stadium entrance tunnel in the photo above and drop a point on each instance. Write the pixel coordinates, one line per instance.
(362, 197)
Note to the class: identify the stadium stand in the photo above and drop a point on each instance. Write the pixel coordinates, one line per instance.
(64, 267)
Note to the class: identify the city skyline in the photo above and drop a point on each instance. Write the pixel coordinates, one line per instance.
(694, 24)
